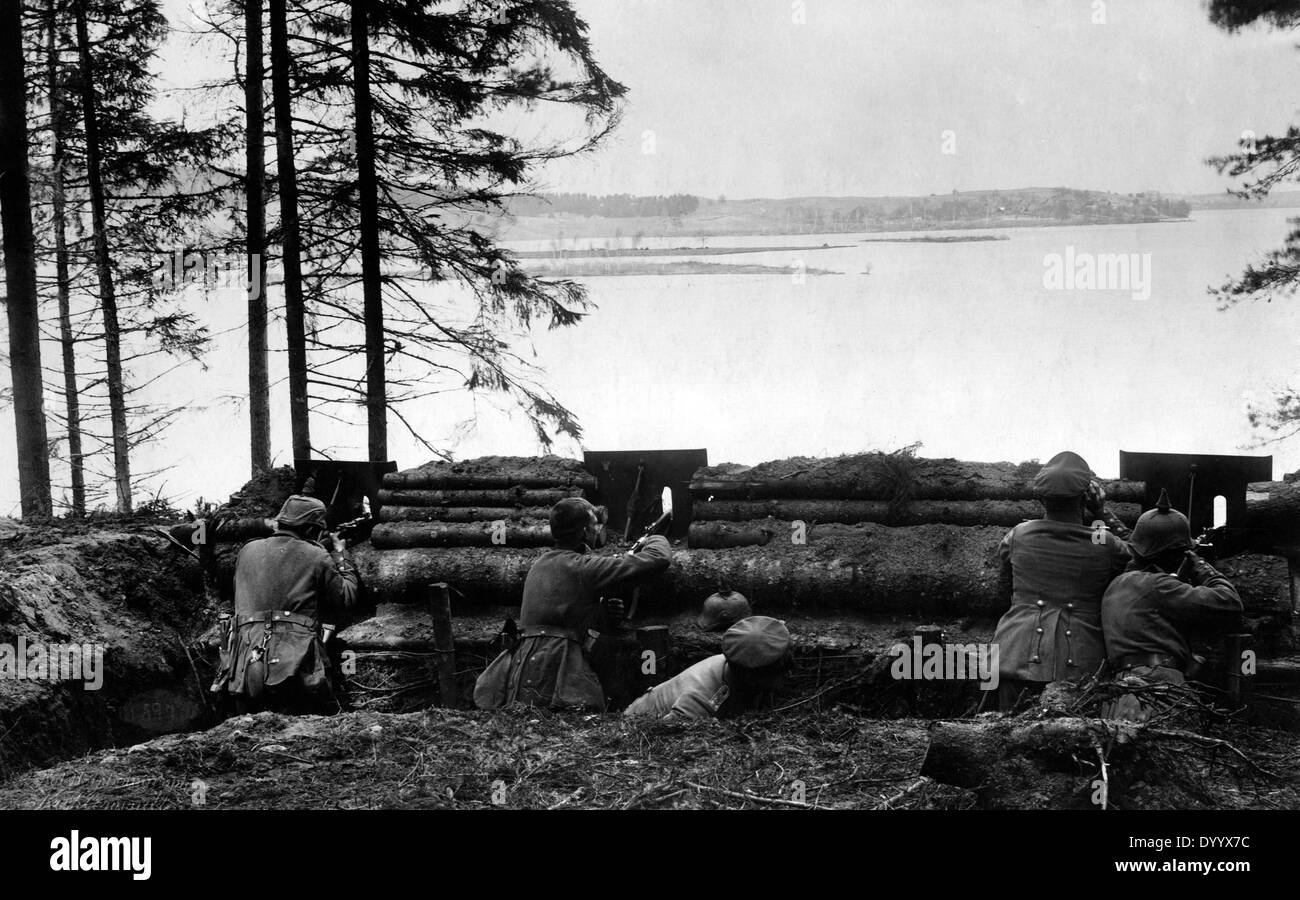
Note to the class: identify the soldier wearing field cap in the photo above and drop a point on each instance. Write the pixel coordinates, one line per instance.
(1147, 611)
(288, 591)
(1054, 571)
(722, 610)
(753, 663)
(549, 666)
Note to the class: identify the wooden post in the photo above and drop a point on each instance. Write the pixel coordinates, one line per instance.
(653, 639)
(440, 607)
(1239, 684)
(1293, 570)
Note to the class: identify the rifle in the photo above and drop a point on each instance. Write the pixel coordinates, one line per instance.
(1212, 543)
(659, 524)
(666, 500)
(354, 531)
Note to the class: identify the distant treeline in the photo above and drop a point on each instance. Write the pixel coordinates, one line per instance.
(614, 206)
(1058, 205)
(1062, 205)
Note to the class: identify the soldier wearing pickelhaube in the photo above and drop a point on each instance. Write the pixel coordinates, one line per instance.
(288, 590)
(1147, 611)
(1054, 572)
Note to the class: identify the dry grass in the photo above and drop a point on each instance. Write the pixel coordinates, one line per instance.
(514, 759)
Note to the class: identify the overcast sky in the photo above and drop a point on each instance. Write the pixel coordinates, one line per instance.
(742, 100)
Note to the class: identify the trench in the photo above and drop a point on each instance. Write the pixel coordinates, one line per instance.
(138, 605)
(839, 662)
(145, 601)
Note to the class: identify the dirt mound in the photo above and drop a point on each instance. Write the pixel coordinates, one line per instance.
(261, 496)
(126, 596)
(556, 469)
(851, 467)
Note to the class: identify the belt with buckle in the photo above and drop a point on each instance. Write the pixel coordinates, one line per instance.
(1160, 660)
(276, 615)
(550, 631)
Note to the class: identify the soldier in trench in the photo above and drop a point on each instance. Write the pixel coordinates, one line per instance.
(551, 666)
(1054, 571)
(753, 664)
(289, 592)
(1148, 611)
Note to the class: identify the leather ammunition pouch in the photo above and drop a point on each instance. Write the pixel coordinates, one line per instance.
(271, 648)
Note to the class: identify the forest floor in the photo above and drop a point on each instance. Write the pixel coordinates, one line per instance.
(450, 759)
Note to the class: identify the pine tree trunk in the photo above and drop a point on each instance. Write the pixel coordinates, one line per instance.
(367, 190)
(20, 272)
(72, 398)
(294, 311)
(259, 390)
(107, 295)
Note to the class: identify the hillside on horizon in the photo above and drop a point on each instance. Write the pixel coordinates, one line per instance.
(558, 216)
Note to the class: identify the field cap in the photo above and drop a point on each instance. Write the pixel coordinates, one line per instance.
(302, 510)
(756, 642)
(1065, 475)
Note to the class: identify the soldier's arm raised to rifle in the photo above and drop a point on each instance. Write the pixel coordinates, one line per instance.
(605, 571)
(1213, 600)
(341, 585)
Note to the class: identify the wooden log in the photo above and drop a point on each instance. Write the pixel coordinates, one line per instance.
(917, 512)
(1272, 526)
(489, 472)
(888, 477)
(932, 569)
(483, 576)
(234, 530)
(531, 515)
(416, 480)
(721, 535)
(1277, 510)
(222, 531)
(440, 607)
(509, 497)
(1006, 761)
(397, 535)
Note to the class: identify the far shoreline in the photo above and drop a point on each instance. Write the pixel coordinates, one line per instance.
(620, 233)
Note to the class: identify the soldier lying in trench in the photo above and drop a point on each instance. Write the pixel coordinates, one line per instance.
(287, 587)
(754, 661)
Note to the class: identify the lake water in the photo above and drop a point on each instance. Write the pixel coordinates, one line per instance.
(959, 346)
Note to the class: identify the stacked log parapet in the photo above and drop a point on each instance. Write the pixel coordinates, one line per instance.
(891, 477)
(795, 498)
(491, 502)
(872, 532)
(868, 532)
